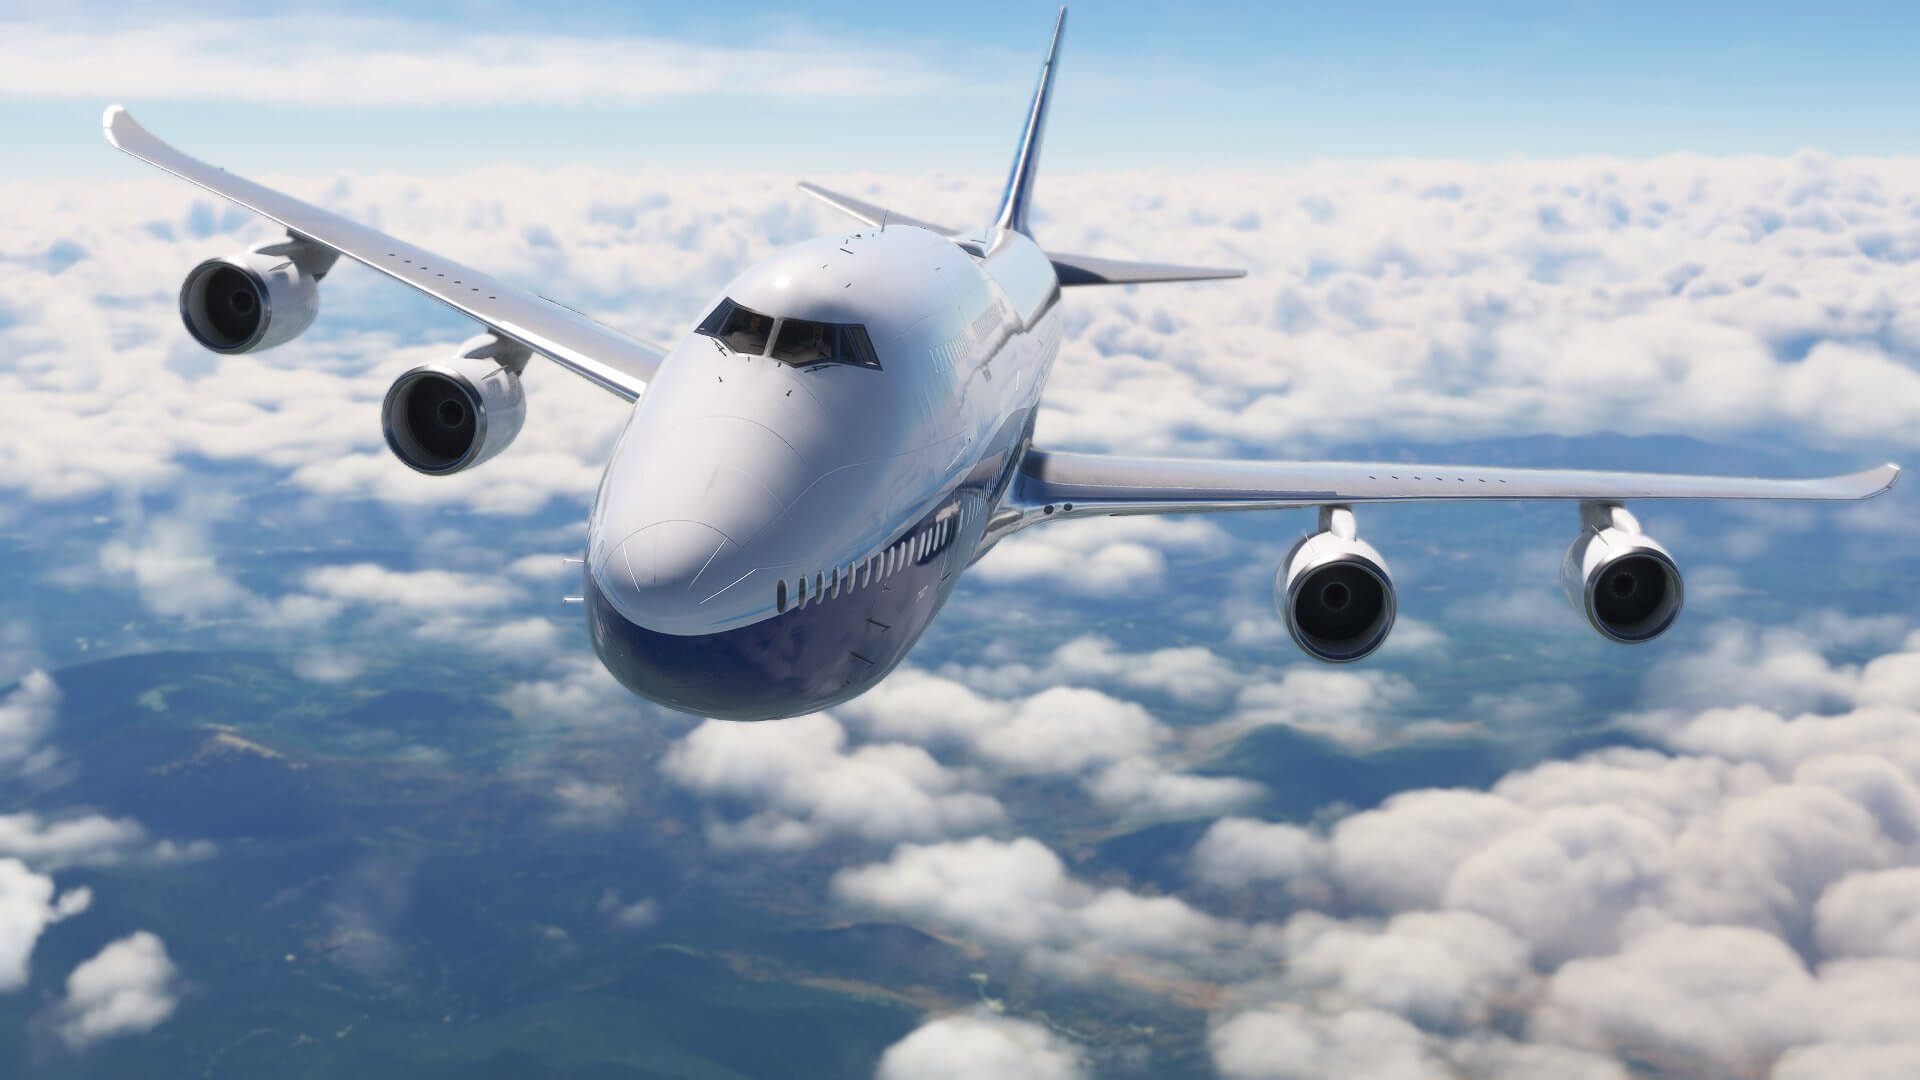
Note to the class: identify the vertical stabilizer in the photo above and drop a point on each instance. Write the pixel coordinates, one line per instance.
(1019, 194)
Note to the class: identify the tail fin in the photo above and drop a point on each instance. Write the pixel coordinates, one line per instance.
(1019, 193)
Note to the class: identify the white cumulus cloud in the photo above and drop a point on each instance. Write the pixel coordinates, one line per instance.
(806, 785)
(27, 907)
(981, 1047)
(129, 987)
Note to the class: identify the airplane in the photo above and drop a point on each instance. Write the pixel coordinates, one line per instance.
(804, 476)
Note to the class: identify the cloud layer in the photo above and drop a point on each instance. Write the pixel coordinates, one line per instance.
(1738, 900)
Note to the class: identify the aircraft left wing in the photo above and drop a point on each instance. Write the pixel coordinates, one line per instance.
(1082, 484)
(595, 352)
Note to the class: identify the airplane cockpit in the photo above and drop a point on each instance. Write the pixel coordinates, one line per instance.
(798, 342)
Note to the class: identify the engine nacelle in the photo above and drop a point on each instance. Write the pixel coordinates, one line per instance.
(255, 299)
(445, 417)
(1335, 593)
(1625, 584)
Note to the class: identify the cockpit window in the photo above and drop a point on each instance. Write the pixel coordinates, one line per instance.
(856, 347)
(743, 329)
(800, 342)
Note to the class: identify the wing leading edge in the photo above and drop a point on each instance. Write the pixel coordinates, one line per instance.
(595, 352)
(1100, 484)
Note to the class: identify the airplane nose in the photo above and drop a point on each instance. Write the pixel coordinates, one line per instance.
(658, 577)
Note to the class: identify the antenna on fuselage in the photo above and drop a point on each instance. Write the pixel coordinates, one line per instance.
(884, 215)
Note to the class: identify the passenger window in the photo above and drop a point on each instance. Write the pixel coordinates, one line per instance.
(803, 342)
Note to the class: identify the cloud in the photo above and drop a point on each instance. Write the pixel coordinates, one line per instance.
(1191, 675)
(1018, 895)
(545, 569)
(1349, 707)
(27, 907)
(981, 1047)
(1109, 556)
(88, 840)
(1115, 748)
(807, 785)
(1145, 787)
(26, 716)
(1871, 914)
(1446, 971)
(173, 565)
(1065, 730)
(1237, 852)
(575, 691)
(364, 911)
(1279, 1044)
(587, 805)
(1282, 1042)
(637, 915)
(360, 60)
(1737, 898)
(129, 987)
(425, 591)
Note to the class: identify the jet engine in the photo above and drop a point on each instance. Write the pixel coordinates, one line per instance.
(1619, 578)
(449, 416)
(1335, 592)
(255, 299)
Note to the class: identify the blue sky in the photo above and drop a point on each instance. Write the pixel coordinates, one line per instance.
(1148, 85)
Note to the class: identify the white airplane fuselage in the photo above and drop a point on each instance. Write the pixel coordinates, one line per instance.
(771, 539)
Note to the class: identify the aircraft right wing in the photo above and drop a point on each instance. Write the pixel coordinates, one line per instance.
(598, 353)
(1082, 484)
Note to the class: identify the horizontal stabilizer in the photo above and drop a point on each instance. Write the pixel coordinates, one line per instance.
(1093, 270)
(869, 212)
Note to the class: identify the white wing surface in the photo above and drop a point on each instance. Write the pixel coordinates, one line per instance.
(598, 353)
(1095, 270)
(1101, 484)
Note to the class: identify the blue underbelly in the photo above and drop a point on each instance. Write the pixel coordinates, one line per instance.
(811, 657)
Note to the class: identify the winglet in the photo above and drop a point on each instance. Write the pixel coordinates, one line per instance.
(115, 122)
(1890, 474)
(1026, 161)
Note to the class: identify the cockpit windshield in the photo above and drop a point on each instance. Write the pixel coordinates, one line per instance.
(743, 330)
(802, 342)
(799, 342)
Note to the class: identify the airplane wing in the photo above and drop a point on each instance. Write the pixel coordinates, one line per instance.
(1083, 484)
(871, 213)
(598, 353)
